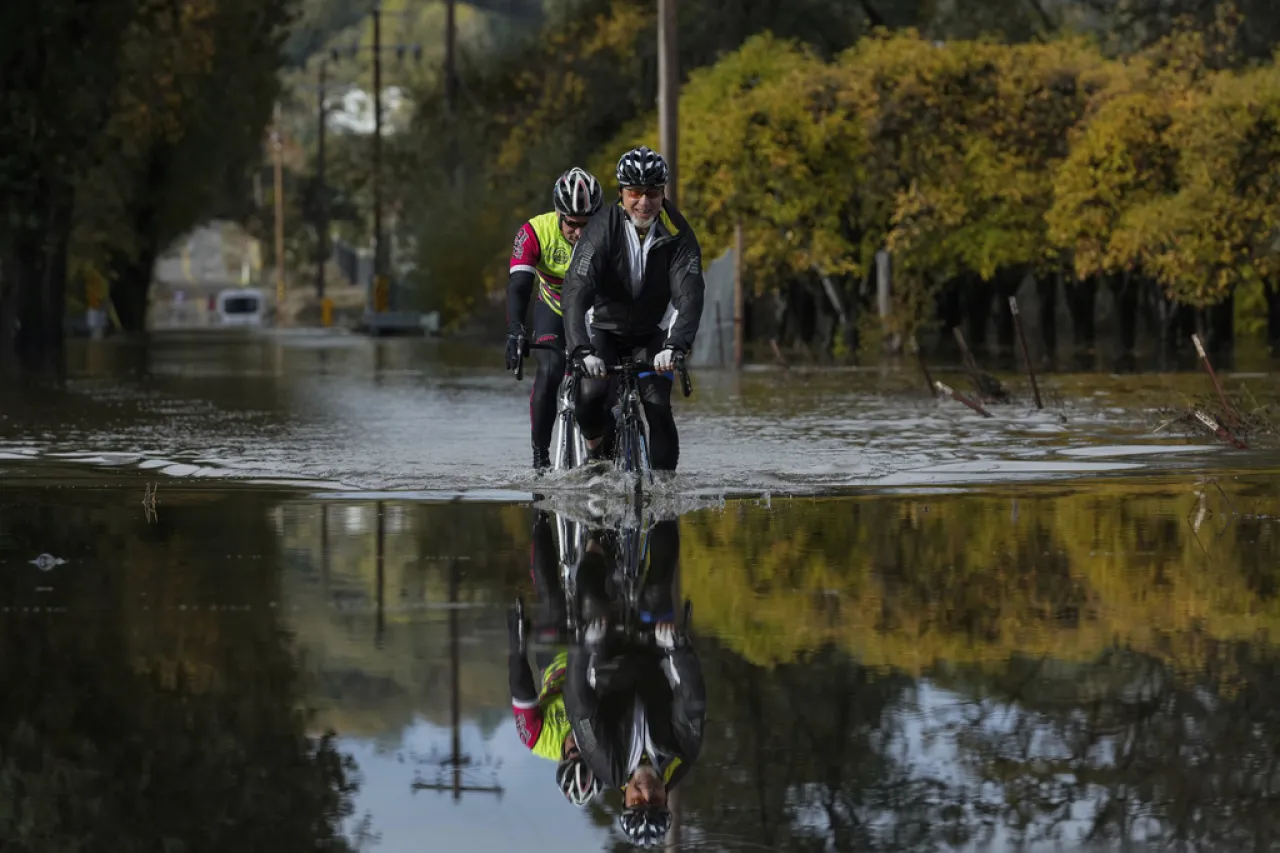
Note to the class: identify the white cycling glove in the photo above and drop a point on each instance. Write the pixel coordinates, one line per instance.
(665, 361)
(594, 366)
(665, 634)
(595, 632)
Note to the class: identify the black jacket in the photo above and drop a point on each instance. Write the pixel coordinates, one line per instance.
(675, 699)
(600, 277)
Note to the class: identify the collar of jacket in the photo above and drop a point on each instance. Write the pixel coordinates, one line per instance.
(667, 229)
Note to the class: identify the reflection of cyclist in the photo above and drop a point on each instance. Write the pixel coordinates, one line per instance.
(540, 715)
(637, 712)
(542, 249)
(551, 619)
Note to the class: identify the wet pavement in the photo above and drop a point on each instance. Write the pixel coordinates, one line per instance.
(253, 597)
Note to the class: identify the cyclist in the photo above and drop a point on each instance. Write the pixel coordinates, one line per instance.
(634, 289)
(637, 713)
(541, 720)
(541, 253)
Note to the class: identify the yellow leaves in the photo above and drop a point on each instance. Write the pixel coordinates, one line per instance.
(617, 31)
(896, 586)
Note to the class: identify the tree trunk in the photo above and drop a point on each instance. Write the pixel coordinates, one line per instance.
(29, 273)
(53, 288)
(1166, 317)
(1272, 292)
(976, 296)
(1125, 291)
(1081, 301)
(10, 293)
(130, 287)
(1149, 297)
(950, 311)
(1219, 324)
(1047, 293)
(1006, 285)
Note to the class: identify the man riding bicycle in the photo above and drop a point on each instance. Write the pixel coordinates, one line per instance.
(637, 710)
(541, 253)
(634, 290)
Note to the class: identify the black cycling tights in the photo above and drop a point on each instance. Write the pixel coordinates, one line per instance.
(593, 410)
(548, 328)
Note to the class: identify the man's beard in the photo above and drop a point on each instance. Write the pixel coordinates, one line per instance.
(641, 222)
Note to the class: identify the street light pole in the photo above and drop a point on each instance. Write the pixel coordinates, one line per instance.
(322, 200)
(378, 247)
(669, 93)
(277, 146)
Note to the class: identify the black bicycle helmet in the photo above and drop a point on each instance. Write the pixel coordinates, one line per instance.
(642, 167)
(646, 826)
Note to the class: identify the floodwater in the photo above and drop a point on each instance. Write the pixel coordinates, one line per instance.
(253, 593)
(343, 412)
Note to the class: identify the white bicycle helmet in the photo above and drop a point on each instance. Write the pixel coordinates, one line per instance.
(577, 193)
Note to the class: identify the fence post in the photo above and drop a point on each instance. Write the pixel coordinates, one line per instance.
(738, 331)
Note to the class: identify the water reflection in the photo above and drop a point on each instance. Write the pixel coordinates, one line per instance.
(623, 706)
(150, 700)
(261, 668)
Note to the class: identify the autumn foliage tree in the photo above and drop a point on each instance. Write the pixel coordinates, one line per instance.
(978, 163)
(122, 124)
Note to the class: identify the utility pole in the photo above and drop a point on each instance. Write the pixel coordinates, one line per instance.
(450, 56)
(456, 759)
(451, 88)
(669, 93)
(379, 267)
(277, 145)
(322, 200)
(379, 625)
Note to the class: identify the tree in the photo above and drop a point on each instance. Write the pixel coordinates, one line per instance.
(125, 123)
(60, 61)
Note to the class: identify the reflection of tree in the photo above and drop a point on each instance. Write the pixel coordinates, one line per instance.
(908, 581)
(1101, 648)
(139, 713)
(370, 690)
(1123, 749)
(807, 756)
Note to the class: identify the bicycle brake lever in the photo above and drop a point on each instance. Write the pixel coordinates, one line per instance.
(685, 385)
(520, 352)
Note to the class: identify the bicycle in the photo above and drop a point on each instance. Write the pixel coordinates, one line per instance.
(568, 447)
(634, 628)
(632, 453)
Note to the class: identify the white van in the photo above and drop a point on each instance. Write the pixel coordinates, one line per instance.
(239, 306)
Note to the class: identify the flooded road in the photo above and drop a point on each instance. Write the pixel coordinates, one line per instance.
(981, 670)
(254, 596)
(349, 413)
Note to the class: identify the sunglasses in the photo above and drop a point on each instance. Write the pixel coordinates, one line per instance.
(642, 192)
(575, 224)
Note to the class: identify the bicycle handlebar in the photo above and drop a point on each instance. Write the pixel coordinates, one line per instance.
(639, 366)
(525, 346)
(646, 634)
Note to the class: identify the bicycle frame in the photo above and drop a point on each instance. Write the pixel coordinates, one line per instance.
(568, 447)
(633, 431)
(633, 567)
(572, 537)
(629, 556)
